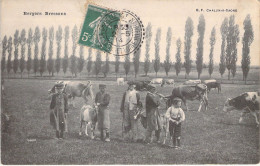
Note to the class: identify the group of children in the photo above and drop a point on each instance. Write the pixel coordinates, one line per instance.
(59, 110)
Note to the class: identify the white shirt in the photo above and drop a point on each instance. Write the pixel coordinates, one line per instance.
(173, 113)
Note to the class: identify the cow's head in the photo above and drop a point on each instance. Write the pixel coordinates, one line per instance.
(228, 106)
(88, 91)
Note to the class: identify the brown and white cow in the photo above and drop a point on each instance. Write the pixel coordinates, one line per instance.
(77, 89)
(247, 102)
(88, 116)
(191, 92)
(213, 84)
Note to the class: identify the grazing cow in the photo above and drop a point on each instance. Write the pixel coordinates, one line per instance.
(158, 81)
(192, 82)
(88, 115)
(213, 84)
(74, 89)
(120, 81)
(169, 81)
(191, 92)
(141, 85)
(247, 102)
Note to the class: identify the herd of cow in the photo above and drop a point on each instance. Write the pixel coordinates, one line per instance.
(247, 102)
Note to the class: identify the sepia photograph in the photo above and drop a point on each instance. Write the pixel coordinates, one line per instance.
(128, 82)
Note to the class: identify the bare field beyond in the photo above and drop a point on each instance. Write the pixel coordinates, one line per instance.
(208, 137)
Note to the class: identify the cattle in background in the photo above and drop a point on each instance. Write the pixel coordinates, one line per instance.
(158, 81)
(120, 81)
(88, 116)
(169, 81)
(75, 89)
(192, 82)
(213, 84)
(141, 85)
(247, 102)
(191, 92)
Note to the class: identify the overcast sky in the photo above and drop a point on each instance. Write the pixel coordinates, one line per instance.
(161, 13)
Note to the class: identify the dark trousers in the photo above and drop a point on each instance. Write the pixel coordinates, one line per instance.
(175, 132)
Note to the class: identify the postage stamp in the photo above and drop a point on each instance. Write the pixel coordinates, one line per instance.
(111, 31)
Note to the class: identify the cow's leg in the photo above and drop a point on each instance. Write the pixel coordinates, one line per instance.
(185, 103)
(80, 128)
(92, 136)
(86, 129)
(241, 117)
(201, 102)
(256, 119)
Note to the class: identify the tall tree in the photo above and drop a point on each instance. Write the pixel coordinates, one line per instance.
(117, 63)
(136, 61)
(73, 65)
(157, 51)
(58, 41)
(22, 59)
(222, 63)
(105, 68)
(187, 45)
(247, 41)
(167, 63)
(29, 44)
(4, 48)
(16, 44)
(36, 39)
(98, 64)
(148, 37)
(9, 50)
(231, 51)
(43, 52)
(50, 62)
(127, 63)
(89, 64)
(65, 61)
(212, 43)
(178, 57)
(81, 60)
(199, 55)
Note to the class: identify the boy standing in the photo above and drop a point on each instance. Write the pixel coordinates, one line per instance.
(175, 115)
(102, 101)
(59, 110)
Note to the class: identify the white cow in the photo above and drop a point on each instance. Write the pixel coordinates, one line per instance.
(157, 81)
(169, 81)
(191, 82)
(120, 81)
(208, 81)
(88, 115)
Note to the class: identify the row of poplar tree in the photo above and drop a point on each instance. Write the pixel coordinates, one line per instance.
(228, 57)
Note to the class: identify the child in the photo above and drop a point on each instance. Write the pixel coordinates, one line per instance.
(59, 110)
(175, 115)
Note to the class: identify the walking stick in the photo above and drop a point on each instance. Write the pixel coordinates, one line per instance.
(123, 124)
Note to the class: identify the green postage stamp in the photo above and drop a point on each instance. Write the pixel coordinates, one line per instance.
(111, 31)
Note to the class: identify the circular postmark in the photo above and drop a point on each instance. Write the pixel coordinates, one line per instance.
(120, 35)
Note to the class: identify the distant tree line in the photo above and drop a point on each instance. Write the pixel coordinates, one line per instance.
(229, 31)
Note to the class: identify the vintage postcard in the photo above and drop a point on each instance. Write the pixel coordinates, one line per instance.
(129, 82)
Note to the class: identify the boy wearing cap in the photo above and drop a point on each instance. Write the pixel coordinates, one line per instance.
(130, 101)
(102, 101)
(59, 110)
(175, 115)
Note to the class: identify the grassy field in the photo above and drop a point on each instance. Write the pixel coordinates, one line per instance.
(208, 137)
